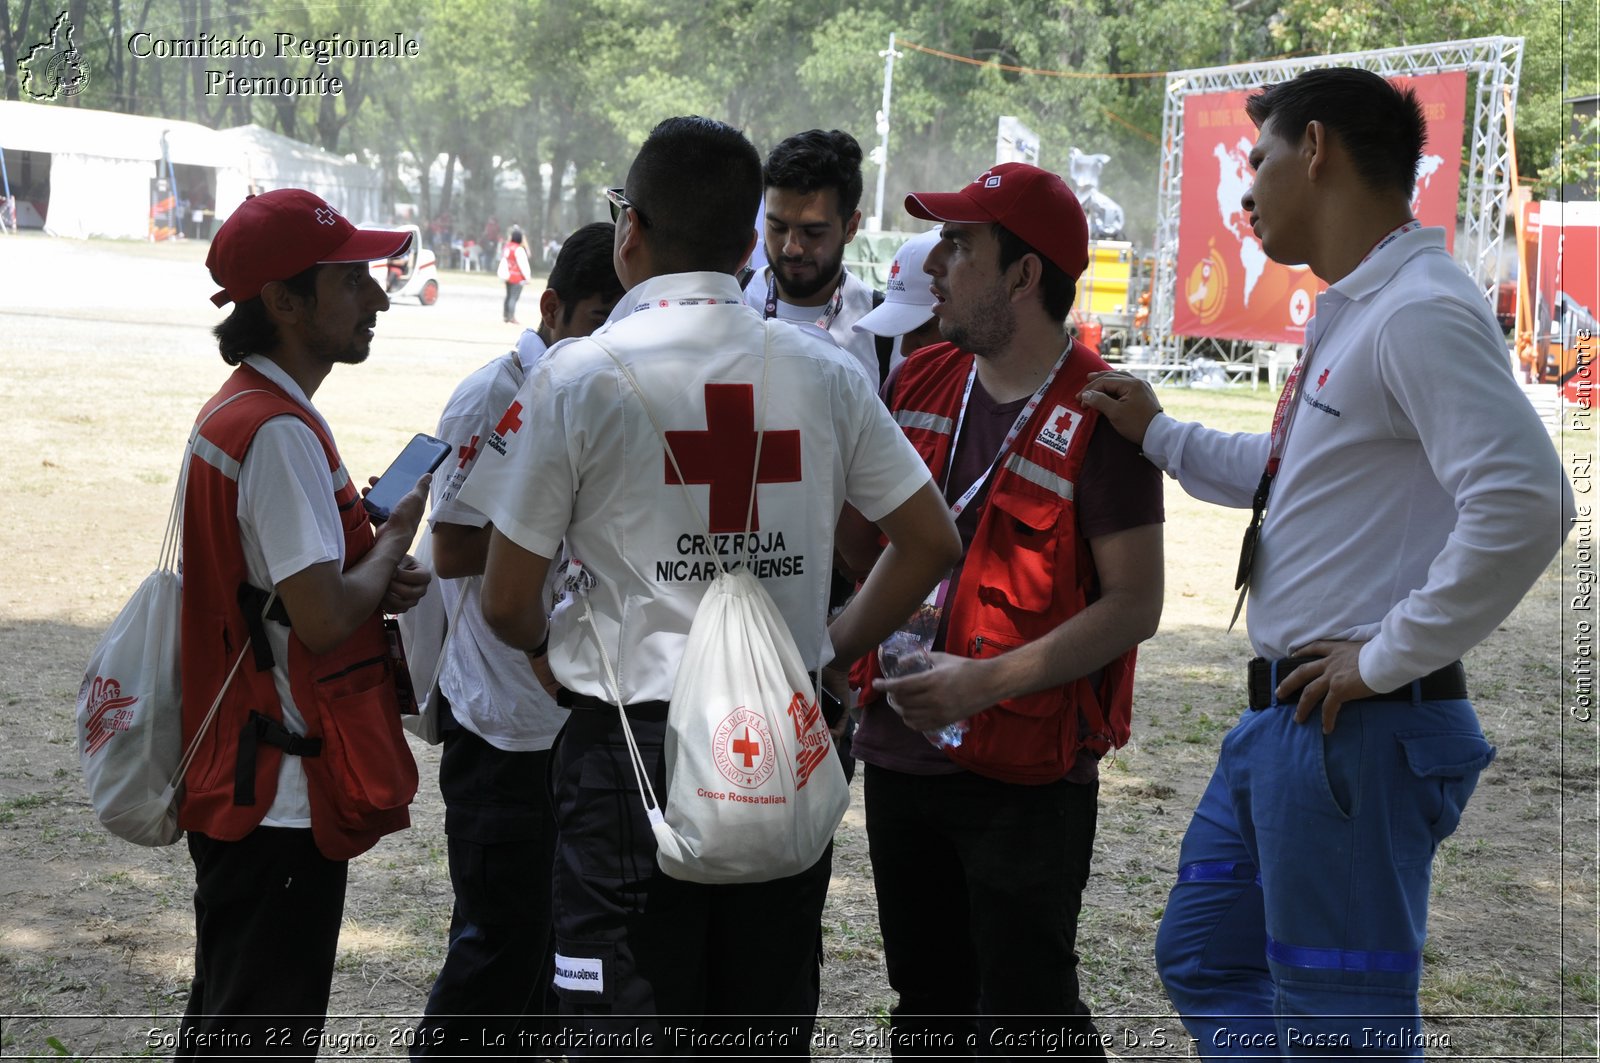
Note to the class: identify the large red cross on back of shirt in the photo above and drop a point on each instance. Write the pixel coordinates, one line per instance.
(723, 456)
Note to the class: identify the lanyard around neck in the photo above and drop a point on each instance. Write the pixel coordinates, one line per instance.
(1011, 437)
(1282, 418)
(829, 315)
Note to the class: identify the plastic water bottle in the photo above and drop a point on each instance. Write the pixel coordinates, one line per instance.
(903, 653)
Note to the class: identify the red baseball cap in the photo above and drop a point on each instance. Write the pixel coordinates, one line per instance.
(1034, 204)
(277, 234)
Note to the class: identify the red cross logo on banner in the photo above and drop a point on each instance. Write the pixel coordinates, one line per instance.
(511, 421)
(468, 452)
(723, 456)
(748, 748)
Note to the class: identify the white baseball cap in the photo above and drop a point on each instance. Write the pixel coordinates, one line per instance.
(908, 299)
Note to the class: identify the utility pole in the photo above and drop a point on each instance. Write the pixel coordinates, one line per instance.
(880, 154)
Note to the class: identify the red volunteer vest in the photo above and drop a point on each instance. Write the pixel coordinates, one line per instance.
(363, 777)
(1027, 570)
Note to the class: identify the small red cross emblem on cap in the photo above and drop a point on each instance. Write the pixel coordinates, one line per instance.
(894, 270)
(325, 215)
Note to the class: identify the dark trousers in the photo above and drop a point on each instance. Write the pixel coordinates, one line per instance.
(267, 910)
(513, 293)
(979, 887)
(493, 989)
(700, 970)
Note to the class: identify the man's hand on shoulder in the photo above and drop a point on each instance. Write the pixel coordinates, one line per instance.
(953, 689)
(1332, 681)
(1129, 403)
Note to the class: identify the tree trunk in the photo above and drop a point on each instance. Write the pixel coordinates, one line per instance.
(8, 50)
(131, 92)
(78, 13)
(118, 64)
(553, 222)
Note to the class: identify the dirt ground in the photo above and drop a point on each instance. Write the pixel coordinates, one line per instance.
(104, 358)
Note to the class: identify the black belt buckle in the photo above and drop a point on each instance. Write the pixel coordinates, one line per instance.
(1261, 684)
(1258, 693)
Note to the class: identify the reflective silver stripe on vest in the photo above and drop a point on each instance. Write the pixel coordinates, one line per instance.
(930, 422)
(215, 457)
(1040, 475)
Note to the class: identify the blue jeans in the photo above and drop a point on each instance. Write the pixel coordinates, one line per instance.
(1296, 927)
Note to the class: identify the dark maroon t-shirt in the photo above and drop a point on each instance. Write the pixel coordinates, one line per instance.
(1117, 489)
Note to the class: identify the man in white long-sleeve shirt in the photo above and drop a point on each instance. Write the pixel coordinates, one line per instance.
(1405, 499)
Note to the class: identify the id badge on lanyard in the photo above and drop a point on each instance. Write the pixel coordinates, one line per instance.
(829, 315)
(920, 630)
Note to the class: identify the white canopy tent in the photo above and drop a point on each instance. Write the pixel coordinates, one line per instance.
(102, 163)
(272, 160)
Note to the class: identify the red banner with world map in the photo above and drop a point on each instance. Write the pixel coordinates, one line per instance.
(1227, 287)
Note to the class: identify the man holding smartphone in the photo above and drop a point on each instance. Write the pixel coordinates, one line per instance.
(500, 721)
(285, 583)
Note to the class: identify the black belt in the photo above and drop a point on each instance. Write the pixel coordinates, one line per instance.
(644, 711)
(1447, 684)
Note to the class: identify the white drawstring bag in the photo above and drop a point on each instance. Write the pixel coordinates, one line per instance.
(754, 790)
(130, 706)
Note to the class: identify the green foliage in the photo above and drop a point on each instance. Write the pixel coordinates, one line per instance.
(1576, 161)
(572, 86)
(1558, 57)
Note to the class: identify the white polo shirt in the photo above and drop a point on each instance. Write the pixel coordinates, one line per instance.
(581, 462)
(492, 689)
(1419, 496)
(856, 304)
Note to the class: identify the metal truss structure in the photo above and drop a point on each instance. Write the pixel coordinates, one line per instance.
(1493, 66)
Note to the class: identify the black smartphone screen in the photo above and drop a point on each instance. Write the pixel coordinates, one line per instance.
(422, 455)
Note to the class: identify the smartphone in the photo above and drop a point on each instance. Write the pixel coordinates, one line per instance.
(422, 455)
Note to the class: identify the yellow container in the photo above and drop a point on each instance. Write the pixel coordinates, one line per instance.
(1104, 288)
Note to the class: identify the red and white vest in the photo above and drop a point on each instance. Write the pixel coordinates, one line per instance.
(1026, 571)
(362, 779)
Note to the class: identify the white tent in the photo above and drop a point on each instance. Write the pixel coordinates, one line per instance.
(272, 160)
(102, 163)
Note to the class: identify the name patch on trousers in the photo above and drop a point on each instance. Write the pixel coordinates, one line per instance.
(580, 974)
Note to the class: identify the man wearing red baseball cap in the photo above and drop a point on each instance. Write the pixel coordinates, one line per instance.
(287, 679)
(981, 768)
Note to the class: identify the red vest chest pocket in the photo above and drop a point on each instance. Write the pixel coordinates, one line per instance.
(1019, 569)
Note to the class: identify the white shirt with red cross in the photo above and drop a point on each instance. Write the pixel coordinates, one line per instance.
(578, 459)
(492, 691)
